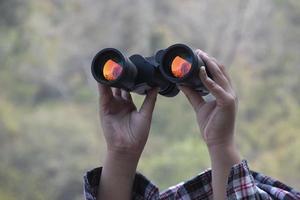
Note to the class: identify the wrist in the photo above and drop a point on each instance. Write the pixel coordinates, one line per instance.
(219, 140)
(122, 157)
(118, 172)
(124, 152)
(120, 164)
(225, 154)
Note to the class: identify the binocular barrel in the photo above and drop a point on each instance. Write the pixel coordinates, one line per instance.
(176, 65)
(180, 65)
(134, 74)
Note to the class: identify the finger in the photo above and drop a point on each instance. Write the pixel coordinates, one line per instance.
(117, 92)
(126, 95)
(105, 93)
(193, 96)
(216, 90)
(149, 103)
(199, 51)
(215, 71)
(223, 69)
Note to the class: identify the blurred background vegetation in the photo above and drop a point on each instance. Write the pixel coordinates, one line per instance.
(49, 130)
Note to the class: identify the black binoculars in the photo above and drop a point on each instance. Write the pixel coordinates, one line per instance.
(168, 68)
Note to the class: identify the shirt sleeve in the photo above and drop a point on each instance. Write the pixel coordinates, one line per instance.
(242, 184)
(142, 189)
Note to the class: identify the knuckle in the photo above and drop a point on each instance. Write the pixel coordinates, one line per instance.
(213, 85)
(211, 60)
(229, 102)
(219, 74)
(222, 67)
(231, 99)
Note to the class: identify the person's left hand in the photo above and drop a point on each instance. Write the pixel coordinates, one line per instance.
(216, 119)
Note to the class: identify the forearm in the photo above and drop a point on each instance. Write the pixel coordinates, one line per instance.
(117, 176)
(223, 157)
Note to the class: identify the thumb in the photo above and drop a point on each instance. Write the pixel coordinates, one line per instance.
(193, 96)
(105, 94)
(149, 102)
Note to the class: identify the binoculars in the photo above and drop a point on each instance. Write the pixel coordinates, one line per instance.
(168, 68)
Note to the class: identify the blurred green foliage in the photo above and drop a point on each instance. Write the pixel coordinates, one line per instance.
(49, 126)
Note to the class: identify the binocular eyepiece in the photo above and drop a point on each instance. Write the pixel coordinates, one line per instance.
(176, 65)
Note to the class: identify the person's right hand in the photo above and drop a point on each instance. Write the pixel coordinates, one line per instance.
(125, 128)
(126, 131)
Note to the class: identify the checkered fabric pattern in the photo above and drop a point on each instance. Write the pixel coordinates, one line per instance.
(242, 184)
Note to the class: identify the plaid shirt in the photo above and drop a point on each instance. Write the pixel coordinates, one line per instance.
(242, 184)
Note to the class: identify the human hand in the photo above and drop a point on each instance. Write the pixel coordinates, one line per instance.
(125, 128)
(216, 119)
(126, 131)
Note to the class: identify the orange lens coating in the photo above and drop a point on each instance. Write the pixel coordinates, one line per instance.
(112, 70)
(180, 67)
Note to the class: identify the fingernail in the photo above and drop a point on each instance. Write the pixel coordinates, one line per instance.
(202, 71)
